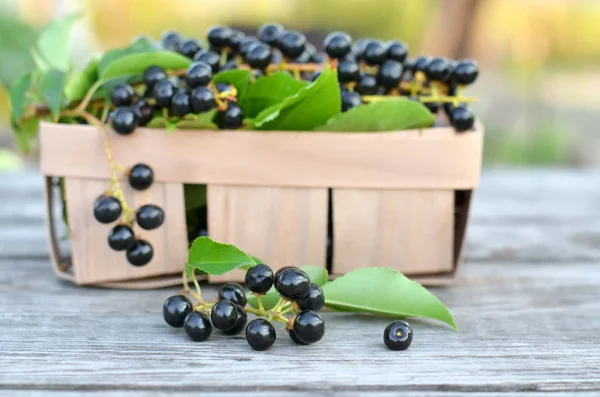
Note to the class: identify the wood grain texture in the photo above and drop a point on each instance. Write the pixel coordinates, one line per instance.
(361, 160)
(281, 226)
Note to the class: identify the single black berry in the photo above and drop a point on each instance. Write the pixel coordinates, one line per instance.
(170, 41)
(348, 71)
(367, 84)
(141, 176)
(153, 75)
(163, 93)
(260, 334)
(315, 299)
(233, 292)
(107, 209)
(397, 50)
(224, 315)
(358, 48)
(421, 63)
(465, 72)
(143, 111)
(149, 216)
(210, 58)
(198, 74)
(259, 279)
(390, 74)
(123, 120)
(219, 36)
(438, 69)
(122, 95)
(222, 87)
(188, 48)
(462, 118)
(180, 103)
(309, 326)
(175, 309)
(350, 99)
(236, 39)
(398, 335)
(259, 56)
(337, 44)
(247, 45)
(121, 238)
(140, 253)
(374, 53)
(231, 118)
(292, 44)
(293, 337)
(270, 33)
(202, 100)
(293, 284)
(240, 324)
(229, 65)
(197, 325)
(282, 269)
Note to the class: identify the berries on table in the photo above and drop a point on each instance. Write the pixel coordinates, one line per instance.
(188, 48)
(309, 326)
(438, 69)
(107, 209)
(210, 58)
(348, 71)
(337, 44)
(163, 93)
(397, 50)
(140, 253)
(367, 84)
(292, 44)
(219, 37)
(175, 310)
(270, 33)
(141, 176)
(231, 118)
(197, 325)
(350, 99)
(374, 53)
(390, 74)
(398, 335)
(242, 318)
(259, 56)
(202, 99)
(465, 72)
(259, 279)
(315, 299)
(180, 104)
(293, 284)
(260, 334)
(149, 216)
(153, 75)
(122, 95)
(233, 292)
(124, 120)
(170, 41)
(121, 238)
(462, 118)
(143, 112)
(198, 74)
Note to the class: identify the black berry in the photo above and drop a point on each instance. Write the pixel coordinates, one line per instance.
(149, 216)
(302, 58)
(107, 209)
(224, 315)
(153, 75)
(170, 41)
(140, 253)
(236, 39)
(292, 44)
(219, 36)
(175, 309)
(141, 176)
(337, 44)
(397, 50)
(315, 299)
(438, 69)
(163, 93)
(259, 279)
(358, 48)
(350, 99)
(197, 325)
(143, 111)
(233, 292)
(122, 95)
(242, 318)
(188, 48)
(222, 87)
(465, 72)
(231, 118)
(198, 74)
(270, 33)
(210, 58)
(390, 74)
(309, 326)
(260, 334)
(180, 103)
(293, 284)
(367, 84)
(121, 238)
(259, 56)
(247, 45)
(123, 120)
(348, 71)
(202, 100)
(461, 118)
(421, 64)
(398, 335)
(374, 53)
(229, 65)
(293, 337)
(282, 269)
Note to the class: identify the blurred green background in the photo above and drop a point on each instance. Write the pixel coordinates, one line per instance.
(540, 59)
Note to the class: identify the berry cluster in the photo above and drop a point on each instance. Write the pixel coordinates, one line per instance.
(298, 296)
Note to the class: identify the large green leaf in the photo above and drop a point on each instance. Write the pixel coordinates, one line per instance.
(26, 133)
(53, 43)
(16, 40)
(215, 258)
(391, 114)
(141, 45)
(18, 94)
(239, 78)
(134, 64)
(268, 91)
(52, 83)
(81, 81)
(317, 275)
(384, 291)
(308, 108)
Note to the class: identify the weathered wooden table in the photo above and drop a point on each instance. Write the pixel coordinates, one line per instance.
(527, 304)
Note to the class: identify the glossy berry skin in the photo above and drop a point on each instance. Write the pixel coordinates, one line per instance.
(197, 325)
(175, 310)
(315, 299)
(163, 93)
(170, 41)
(123, 120)
(153, 75)
(219, 36)
(188, 48)
(143, 112)
(180, 104)
(236, 39)
(210, 58)
(140, 253)
(224, 315)
(374, 53)
(202, 100)
(293, 284)
(247, 45)
(438, 69)
(358, 48)
(292, 44)
(230, 119)
(309, 326)
(294, 338)
(229, 65)
(397, 50)
(233, 292)
(107, 209)
(390, 74)
(149, 216)
(270, 33)
(259, 279)
(398, 335)
(465, 72)
(367, 84)
(240, 323)
(421, 63)
(462, 118)
(259, 56)
(348, 71)
(121, 238)
(337, 44)
(141, 176)
(122, 95)
(222, 87)
(350, 99)
(302, 58)
(198, 74)
(282, 269)
(260, 334)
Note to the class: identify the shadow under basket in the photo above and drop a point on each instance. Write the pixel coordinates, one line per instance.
(399, 199)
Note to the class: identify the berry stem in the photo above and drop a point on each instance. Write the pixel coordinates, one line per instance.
(261, 306)
(279, 305)
(197, 286)
(88, 97)
(256, 312)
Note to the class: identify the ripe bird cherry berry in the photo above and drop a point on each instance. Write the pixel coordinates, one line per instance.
(309, 326)
(337, 44)
(202, 100)
(222, 87)
(348, 71)
(247, 45)
(374, 53)
(197, 325)
(461, 118)
(231, 118)
(292, 44)
(123, 120)
(122, 95)
(315, 299)
(210, 58)
(240, 323)
(107, 209)
(270, 33)
(397, 50)
(465, 72)
(260, 334)
(350, 99)
(259, 56)
(219, 36)
(141, 176)
(438, 69)
(294, 338)
(170, 41)
(163, 93)
(121, 238)
(188, 48)
(390, 74)
(235, 41)
(140, 253)
(259, 279)
(293, 284)
(143, 112)
(180, 103)
(398, 335)
(149, 216)
(367, 84)
(175, 309)
(224, 315)
(198, 74)
(421, 63)
(153, 75)
(282, 269)
(233, 292)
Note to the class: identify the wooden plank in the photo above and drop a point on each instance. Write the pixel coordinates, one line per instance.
(361, 160)
(281, 226)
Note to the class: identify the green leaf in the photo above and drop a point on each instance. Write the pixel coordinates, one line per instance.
(384, 291)
(52, 84)
(16, 40)
(393, 114)
(268, 91)
(239, 78)
(215, 258)
(134, 64)
(308, 108)
(18, 94)
(201, 121)
(81, 81)
(142, 45)
(317, 275)
(26, 133)
(53, 43)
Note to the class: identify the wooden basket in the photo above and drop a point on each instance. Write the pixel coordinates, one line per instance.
(399, 199)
